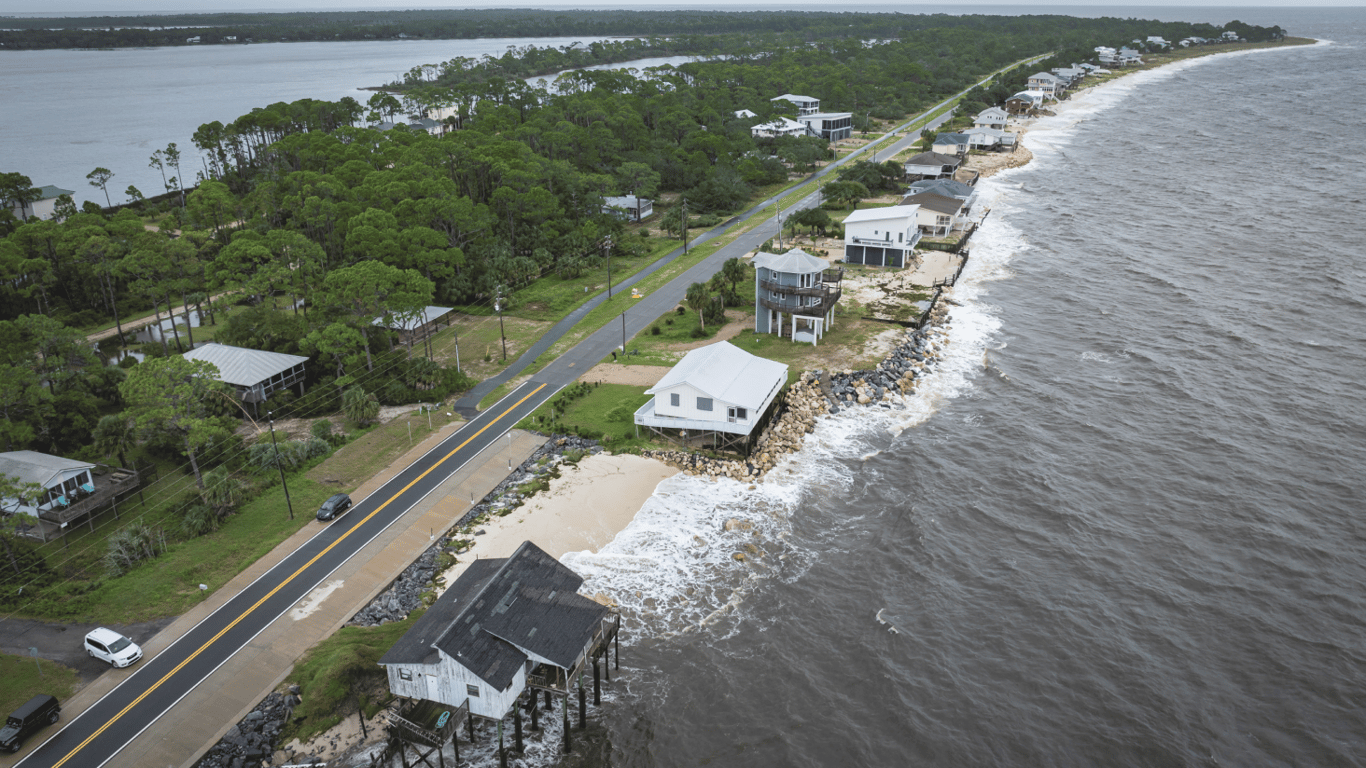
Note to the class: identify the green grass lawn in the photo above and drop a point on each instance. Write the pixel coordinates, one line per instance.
(358, 461)
(606, 409)
(340, 674)
(21, 680)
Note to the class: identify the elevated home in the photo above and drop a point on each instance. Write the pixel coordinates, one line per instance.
(805, 104)
(45, 207)
(1128, 57)
(254, 373)
(830, 126)
(505, 626)
(990, 139)
(932, 165)
(881, 237)
(992, 117)
(744, 113)
(629, 207)
(1069, 76)
(417, 326)
(948, 188)
(951, 144)
(796, 287)
(783, 126)
(1044, 82)
(718, 389)
(936, 215)
(1158, 41)
(71, 489)
(1230, 37)
(1024, 102)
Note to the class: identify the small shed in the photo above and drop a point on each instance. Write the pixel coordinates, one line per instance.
(716, 389)
(254, 373)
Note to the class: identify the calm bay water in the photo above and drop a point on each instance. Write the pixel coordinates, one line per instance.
(1123, 524)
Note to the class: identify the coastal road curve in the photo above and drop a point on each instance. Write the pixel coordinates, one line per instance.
(95, 736)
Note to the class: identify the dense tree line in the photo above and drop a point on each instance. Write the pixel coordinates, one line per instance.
(309, 200)
(238, 28)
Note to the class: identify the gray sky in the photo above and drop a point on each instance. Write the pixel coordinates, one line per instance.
(122, 7)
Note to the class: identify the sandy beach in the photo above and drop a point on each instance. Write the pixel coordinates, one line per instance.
(584, 508)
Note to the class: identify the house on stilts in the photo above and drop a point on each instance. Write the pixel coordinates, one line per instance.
(719, 391)
(796, 286)
(508, 630)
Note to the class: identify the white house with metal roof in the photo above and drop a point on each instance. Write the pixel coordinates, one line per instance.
(805, 104)
(629, 207)
(61, 479)
(254, 373)
(991, 117)
(783, 126)
(881, 237)
(798, 288)
(716, 388)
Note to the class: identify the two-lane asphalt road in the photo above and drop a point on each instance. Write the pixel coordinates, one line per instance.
(98, 734)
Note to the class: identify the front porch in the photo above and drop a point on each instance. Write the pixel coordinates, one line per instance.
(109, 486)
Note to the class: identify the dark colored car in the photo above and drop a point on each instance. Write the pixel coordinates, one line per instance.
(334, 506)
(37, 713)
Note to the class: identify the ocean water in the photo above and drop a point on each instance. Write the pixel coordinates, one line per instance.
(1122, 525)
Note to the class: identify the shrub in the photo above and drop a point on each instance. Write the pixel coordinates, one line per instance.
(668, 321)
(321, 429)
(131, 546)
(198, 520)
(655, 330)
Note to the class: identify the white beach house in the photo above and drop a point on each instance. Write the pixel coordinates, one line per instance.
(881, 237)
(718, 388)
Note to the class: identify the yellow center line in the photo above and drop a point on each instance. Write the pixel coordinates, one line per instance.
(292, 576)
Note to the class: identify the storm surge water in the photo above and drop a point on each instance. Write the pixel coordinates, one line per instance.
(1121, 525)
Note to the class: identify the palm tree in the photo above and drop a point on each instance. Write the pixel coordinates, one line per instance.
(116, 434)
(697, 298)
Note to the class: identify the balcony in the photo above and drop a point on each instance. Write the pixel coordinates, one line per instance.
(827, 299)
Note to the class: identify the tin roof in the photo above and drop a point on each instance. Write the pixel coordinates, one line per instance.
(726, 373)
(35, 467)
(243, 367)
(418, 320)
(902, 211)
(795, 261)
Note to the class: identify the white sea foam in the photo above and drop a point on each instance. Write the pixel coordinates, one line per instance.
(673, 568)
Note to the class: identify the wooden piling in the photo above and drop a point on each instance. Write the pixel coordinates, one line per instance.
(597, 685)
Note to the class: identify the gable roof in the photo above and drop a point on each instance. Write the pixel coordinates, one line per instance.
(793, 97)
(49, 191)
(409, 322)
(951, 138)
(35, 467)
(945, 187)
(933, 158)
(992, 112)
(499, 612)
(795, 260)
(932, 202)
(727, 373)
(1044, 76)
(879, 214)
(243, 367)
(625, 201)
(781, 124)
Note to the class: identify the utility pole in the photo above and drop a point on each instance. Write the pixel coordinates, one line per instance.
(780, 224)
(623, 333)
(270, 416)
(498, 305)
(685, 226)
(607, 251)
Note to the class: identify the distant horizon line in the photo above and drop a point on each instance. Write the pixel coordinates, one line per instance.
(680, 5)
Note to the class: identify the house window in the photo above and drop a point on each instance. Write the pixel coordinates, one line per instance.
(737, 414)
(472, 690)
(704, 403)
(900, 237)
(674, 399)
(405, 674)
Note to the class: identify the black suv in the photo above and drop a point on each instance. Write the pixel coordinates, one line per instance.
(334, 506)
(27, 720)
